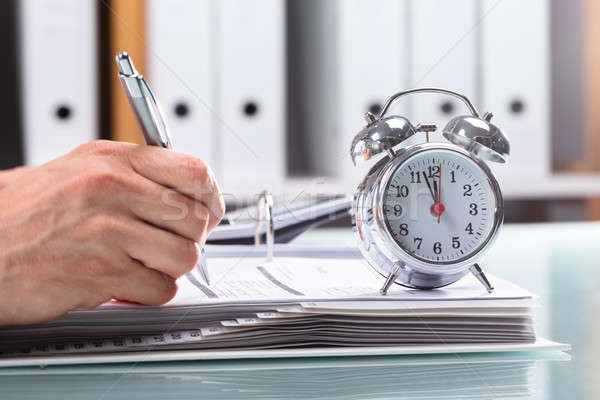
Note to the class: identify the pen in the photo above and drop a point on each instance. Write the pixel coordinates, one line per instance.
(149, 117)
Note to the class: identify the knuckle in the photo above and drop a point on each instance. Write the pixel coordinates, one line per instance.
(102, 224)
(190, 255)
(98, 147)
(197, 170)
(220, 208)
(89, 187)
(100, 175)
(102, 180)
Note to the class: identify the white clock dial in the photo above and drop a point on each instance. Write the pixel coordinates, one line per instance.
(439, 206)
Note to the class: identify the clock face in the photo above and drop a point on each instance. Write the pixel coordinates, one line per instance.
(439, 206)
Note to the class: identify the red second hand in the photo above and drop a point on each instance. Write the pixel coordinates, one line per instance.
(440, 206)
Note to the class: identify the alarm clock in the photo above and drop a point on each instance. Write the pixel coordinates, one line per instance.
(426, 214)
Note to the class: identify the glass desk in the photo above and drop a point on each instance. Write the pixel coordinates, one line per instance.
(559, 262)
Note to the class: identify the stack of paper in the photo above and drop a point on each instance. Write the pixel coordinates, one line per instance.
(302, 298)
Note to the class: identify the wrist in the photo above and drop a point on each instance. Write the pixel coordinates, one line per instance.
(9, 175)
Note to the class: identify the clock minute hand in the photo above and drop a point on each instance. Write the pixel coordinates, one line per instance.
(440, 206)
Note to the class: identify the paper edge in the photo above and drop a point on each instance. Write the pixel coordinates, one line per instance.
(202, 355)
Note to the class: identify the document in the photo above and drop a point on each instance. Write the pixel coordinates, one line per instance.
(313, 299)
(336, 281)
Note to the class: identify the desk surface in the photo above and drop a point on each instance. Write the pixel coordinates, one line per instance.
(559, 262)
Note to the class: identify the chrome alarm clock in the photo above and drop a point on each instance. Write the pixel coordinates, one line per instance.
(425, 214)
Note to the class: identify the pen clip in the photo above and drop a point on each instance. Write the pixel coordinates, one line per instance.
(157, 116)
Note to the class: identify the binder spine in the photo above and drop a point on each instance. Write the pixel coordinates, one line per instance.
(11, 150)
(251, 94)
(517, 91)
(181, 71)
(58, 76)
(372, 64)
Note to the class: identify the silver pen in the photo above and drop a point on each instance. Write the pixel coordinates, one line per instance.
(149, 117)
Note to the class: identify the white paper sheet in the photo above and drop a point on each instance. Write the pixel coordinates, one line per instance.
(309, 280)
(182, 355)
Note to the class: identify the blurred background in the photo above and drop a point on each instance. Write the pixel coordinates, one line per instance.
(271, 92)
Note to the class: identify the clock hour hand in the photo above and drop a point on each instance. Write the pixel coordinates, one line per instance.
(433, 194)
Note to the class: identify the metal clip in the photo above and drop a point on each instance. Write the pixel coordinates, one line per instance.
(427, 128)
(265, 214)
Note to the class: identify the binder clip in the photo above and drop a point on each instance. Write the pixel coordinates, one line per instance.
(264, 213)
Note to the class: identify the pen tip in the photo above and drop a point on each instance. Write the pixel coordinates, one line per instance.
(204, 274)
(125, 64)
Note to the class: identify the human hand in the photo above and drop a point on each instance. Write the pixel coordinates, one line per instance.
(108, 220)
(8, 176)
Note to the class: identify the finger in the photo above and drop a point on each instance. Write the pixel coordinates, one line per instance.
(167, 209)
(186, 174)
(158, 249)
(144, 285)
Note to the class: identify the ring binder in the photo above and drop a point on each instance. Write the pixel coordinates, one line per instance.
(265, 215)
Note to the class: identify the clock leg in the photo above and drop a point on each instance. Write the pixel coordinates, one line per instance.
(476, 270)
(391, 278)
